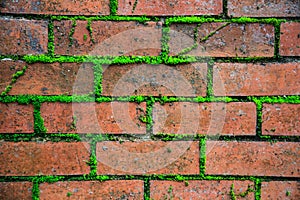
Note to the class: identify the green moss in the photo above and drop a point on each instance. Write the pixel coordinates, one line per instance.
(85, 37)
(51, 46)
(287, 193)
(35, 190)
(72, 31)
(202, 156)
(232, 194)
(69, 194)
(113, 7)
(39, 127)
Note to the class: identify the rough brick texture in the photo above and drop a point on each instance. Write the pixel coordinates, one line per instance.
(149, 157)
(253, 158)
(205, 118)
(240, 79)
(93, 190)
(290, 39)
(199, 189)
(15, 190)
(20, 36)
(225, 40)
(157, 80)
(107, 38)
(169, 7)
(261, 8)
(16, 118)
(112, 117)
(281, 119)
(59, 7)
(30, 158)
(7, 69)
(280, 190)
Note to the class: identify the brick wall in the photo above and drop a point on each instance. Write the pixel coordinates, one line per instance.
(150, 99)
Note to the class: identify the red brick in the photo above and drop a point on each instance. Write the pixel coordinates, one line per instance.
(199, 189)
(15, 190)
(55, 79)
(20, 36)
(58, 7)
(288, 190)
(242, 40)
(253, 158)
(155, 80)
(148, 157)
(29, 158)
(205, 118)
(290, 39)
(241, 79)
(169, 7)
(16, 118)
(262, 8)
(109, 38)
(115, 117)
(281, 119)
(117, 189)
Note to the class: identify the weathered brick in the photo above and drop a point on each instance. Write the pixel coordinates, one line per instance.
(30, 158)
(244, 79)
(205, 118)
(155, 80)
(224, 40)
(280, 190)
(169, 7)
(20, 36)
(290, 39)
(281, 119)
(253, 158)
(57, 7)
(115, 117)
(7, 69)
(262, 8)
(16, 118)
(117, 189)
(148, 157)
(55, 79)
(15, 190)
(199, 189)
(108, 38)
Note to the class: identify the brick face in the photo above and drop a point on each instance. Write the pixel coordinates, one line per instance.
(16, 118)
(20, 37)
(205, 118)
(15, 190)
(148, 157)
(118, 189)
(290, 39)
(198, 189)
(239, 79)
(253, 158)
(280, 190)
(155, 80)
(281, 119)
(7, 69)
(169, 7)
(261, 8)
(242, 40)
(30, 158)
(60, 7)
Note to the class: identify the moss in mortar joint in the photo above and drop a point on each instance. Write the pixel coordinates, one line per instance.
(72, 31)
(113, 7)
(51, 46)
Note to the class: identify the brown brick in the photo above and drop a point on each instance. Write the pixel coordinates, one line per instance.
(55, 79)
(290, 39)
(108, 38)
(262, 8)
(115, 117)
(241, 79)
(117, 189)
(253, 158)
(29, 158)
(58, 7)
(148, 157)
(15, 190)
(16, 118)
(288, 190)
(242, 40)
(169, 7)
(20, 37)
(281, 119)
(155, 80)
(199, 189)
(205, 118)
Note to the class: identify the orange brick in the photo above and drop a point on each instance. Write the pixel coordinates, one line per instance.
(15, 190)
(290, 39)
(280, 190)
